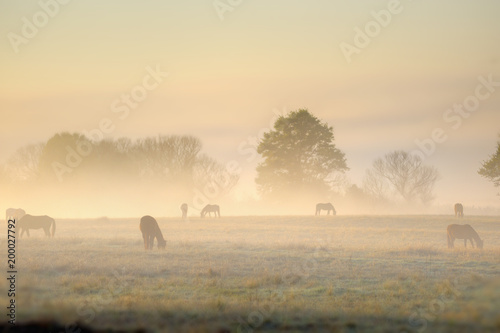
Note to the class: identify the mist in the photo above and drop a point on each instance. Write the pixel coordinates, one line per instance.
(335, 138)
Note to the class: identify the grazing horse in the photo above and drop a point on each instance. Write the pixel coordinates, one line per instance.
(150, 230)
(28, 222)
(325, 206)
(16, 214)
(459, 210)
(465, 232)
(184, 209)
(210, 209)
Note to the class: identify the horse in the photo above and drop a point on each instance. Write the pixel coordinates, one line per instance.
(150, 230)
(184, 209)
(28, 222)
(465, 232)
(459, 210)
(16, 214)
(210, 209)
(325, 206)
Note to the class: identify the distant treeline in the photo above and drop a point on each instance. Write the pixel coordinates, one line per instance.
(67, 158)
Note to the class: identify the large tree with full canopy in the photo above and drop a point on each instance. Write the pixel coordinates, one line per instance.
(299, 156)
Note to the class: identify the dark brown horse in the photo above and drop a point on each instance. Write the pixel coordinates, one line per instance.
(210, 209)
(459, 210)
(465, 232)
(150, 230)
(44, 222)
(325, 206)
(184, 209)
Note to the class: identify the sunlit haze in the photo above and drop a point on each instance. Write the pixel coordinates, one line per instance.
(232, 72)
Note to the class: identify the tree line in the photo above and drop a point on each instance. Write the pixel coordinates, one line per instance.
(299, 158)
(69, 158)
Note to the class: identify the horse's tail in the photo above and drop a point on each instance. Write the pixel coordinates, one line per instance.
(53, 227)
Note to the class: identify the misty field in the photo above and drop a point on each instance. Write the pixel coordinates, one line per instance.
(278, 273)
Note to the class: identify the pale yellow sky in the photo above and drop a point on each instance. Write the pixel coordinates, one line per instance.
(227, 76)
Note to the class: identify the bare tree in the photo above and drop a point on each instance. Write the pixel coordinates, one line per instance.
(404, 174)
(172, 157)
(23, 164)
(375, 185)
(209, 172)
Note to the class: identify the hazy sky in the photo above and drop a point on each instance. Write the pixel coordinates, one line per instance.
(227, 77)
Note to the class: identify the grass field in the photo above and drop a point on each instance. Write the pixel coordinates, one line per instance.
(279, 273)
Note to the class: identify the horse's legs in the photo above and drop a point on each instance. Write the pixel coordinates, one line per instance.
(47, 232)
(27, 231)
(151, 241)
(451, 241)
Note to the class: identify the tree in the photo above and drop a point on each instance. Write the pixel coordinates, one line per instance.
(490, 169)
(23, 164)
(169, 157)
(403, 174)
(63, 156)
(299, 155)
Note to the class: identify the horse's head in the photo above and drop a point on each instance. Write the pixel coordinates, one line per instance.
(162, 244)
(480, 243)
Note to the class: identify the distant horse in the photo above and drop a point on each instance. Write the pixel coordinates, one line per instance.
(459, 210)
(210, 209)
(16, 214)
(325, 206)
(465, 232)
(28, 222)
(184, 209)
(150, 230)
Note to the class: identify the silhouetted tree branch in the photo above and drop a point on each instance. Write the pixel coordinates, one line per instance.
(402, 173)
